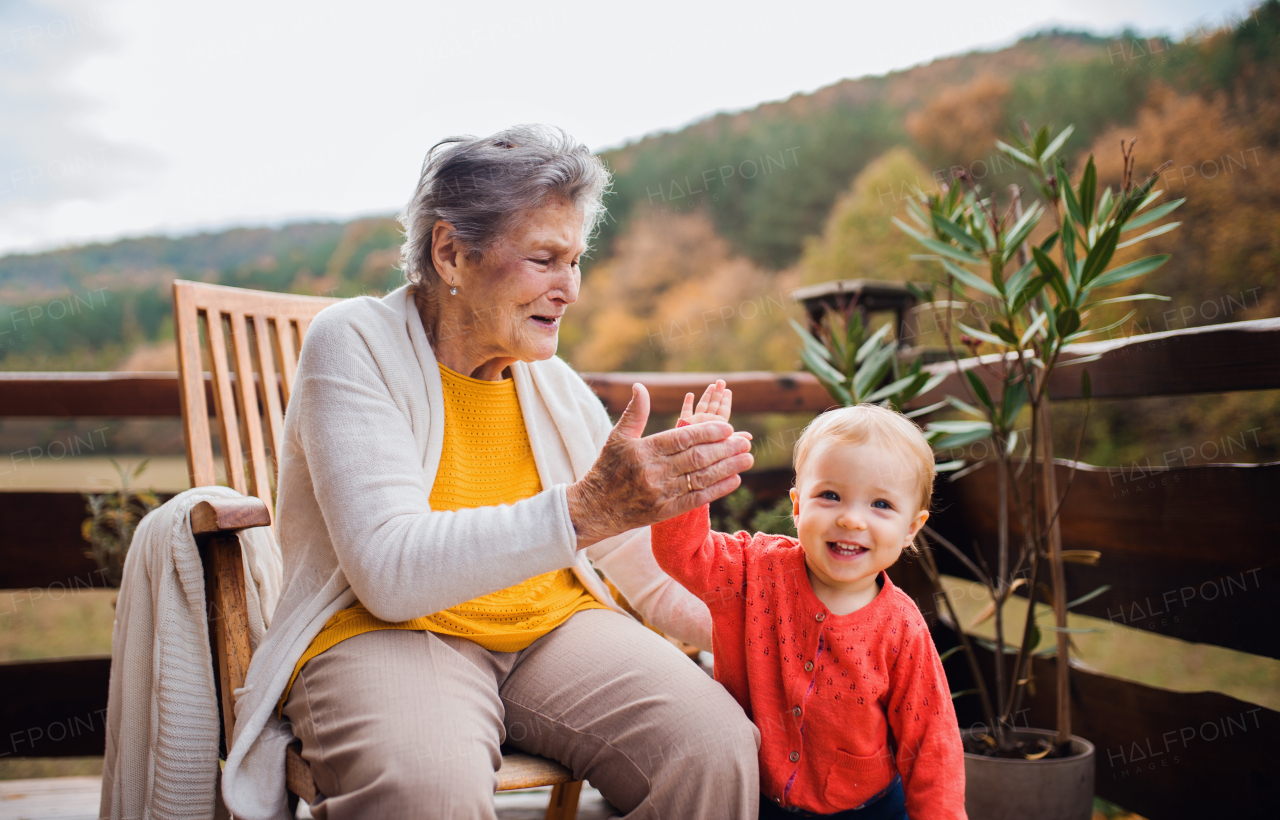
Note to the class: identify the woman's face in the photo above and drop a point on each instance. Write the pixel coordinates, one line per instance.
(517, 292)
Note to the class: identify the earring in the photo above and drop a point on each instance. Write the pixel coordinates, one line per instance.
(453, 291)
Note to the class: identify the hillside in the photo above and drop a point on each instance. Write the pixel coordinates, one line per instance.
(738, 208)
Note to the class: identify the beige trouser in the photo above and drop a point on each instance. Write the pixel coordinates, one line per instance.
(404, 724)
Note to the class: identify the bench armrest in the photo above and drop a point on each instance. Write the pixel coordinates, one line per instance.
(228, 515)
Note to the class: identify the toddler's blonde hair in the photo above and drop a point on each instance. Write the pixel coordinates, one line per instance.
(869, 422)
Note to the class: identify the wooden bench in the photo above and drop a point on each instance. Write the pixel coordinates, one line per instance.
(254, 338)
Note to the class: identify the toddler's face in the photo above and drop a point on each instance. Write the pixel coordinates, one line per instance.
(856, 506)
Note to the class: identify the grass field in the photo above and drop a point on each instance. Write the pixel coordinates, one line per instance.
(93, 474)
(1135, 654)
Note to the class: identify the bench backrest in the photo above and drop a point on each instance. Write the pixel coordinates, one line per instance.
(245, 337)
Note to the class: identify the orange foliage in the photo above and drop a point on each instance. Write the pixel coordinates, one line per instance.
(673, 296)
(961, 122)
(1230, 232)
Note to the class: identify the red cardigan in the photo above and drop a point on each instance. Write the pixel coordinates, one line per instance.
(833, 695)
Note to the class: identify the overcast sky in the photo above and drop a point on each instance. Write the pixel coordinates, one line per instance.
(127, 118)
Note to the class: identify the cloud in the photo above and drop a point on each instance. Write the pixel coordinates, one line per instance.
(49, 157)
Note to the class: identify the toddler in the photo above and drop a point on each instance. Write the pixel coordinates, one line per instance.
(832, 662)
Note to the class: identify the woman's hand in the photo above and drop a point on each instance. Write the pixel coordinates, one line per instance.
(639, 481)
(715, 404)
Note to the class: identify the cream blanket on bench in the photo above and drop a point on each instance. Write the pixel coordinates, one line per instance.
(162, 710)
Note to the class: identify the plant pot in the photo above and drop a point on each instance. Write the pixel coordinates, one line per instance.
(1057, 789)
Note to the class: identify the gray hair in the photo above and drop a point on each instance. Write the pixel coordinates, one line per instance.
(483, 186)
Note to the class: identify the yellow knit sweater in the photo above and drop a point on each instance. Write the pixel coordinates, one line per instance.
(486, 461)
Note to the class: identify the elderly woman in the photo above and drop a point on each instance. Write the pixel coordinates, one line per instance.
(448, 493)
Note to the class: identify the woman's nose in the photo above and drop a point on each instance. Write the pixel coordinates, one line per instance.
(566, 288)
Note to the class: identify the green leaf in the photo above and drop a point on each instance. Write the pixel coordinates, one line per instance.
(936, 246)
(1001, 330)
(920, 295)
(1018, 155)
(951, 229)
(965, 407)
(1133, 297)
(1050, 241)
(1088, 190)
(1100, 255)
(1035, 635)
(1032, 290)
(1086, 387)
(980, 334)
(876, 340)
(1089, 596)
(1129, 271)
(970, 278)
(953, 650)
(935, 379)
(1068, 322)
(892, 389)
(1071, 276)
(924, 411)
(1057, 143)
(960, 426)
(1154, 232)
(1153, 214)
(979, 389)
(1069, 196)
(1022, 228)
(872, 371)
(1013, 288)
(1040, 321)
(1015, 396)
(996, 278)
(963, 692)
(1105, 205)
(810, 343)
(1073, 630)
(1051, 272)
(1041, 140)
(917, 214)
(961, 439)
(1138, 199)
(820, 368)
(1093, 330)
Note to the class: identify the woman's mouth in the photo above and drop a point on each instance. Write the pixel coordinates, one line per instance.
(843, 550)
(547, 321)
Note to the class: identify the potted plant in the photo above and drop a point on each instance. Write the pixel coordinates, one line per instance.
(113, 517)
(1010, 307)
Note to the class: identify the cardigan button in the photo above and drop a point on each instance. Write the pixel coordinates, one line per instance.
(796, 711)
(795, 756)
(821, 616)
(808, 667)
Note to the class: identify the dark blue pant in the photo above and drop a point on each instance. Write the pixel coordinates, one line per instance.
(892, 805)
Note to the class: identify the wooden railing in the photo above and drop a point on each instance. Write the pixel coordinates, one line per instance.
(1162, 531)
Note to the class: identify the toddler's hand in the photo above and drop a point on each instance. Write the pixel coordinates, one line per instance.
(715, 404)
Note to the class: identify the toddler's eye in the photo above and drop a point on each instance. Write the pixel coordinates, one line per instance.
(830, 495)
(881, 504)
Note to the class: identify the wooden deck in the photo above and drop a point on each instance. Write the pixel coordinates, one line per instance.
(76, 798)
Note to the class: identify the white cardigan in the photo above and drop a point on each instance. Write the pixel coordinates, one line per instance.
(363, 437)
